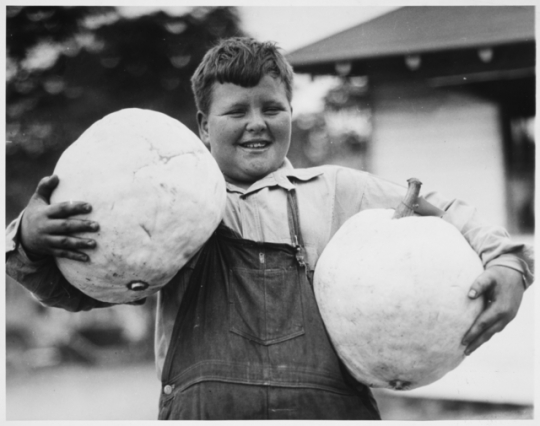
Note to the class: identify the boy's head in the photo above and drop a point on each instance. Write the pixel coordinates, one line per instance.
(243, 93)
(242, 61)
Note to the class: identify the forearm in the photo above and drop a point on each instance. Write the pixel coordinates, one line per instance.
(492, 243)
(47, 284)
(43, 279)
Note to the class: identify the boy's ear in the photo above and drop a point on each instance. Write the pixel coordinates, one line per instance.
(202, 122)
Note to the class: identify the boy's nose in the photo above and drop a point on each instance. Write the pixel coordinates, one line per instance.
(256, 123)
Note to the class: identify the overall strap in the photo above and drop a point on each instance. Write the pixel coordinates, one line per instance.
(294, 228)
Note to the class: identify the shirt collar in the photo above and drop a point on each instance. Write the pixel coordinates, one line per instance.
(281, 177)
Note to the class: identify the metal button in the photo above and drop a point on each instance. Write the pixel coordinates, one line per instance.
(167, 389)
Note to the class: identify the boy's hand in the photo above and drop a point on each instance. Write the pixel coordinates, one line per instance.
(46, 228)
(502, 288)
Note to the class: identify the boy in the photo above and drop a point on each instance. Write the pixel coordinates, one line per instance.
(238, 333)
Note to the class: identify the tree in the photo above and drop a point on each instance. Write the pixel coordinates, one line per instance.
(70, 66)
(67, 68)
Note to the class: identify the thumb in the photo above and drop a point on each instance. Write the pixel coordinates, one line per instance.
(481, 285)
(46, 187)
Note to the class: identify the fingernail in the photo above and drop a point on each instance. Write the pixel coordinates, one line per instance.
(94, 226)
(87, 207)
(472, 293)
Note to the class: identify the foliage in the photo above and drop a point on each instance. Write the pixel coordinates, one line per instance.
(340, 133)
(67, 67)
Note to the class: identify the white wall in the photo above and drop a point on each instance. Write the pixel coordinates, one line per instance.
(451, 141)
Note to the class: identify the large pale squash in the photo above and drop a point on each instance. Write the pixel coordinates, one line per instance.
(393, 296)
(156, 192)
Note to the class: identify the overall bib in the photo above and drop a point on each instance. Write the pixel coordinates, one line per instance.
(249, 342)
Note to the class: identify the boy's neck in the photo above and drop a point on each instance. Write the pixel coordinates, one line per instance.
(240, 184)
(246, 184)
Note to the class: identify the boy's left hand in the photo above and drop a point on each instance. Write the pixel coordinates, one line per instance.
(502, 288)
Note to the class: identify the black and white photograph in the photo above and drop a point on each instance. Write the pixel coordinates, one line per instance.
(259, 212)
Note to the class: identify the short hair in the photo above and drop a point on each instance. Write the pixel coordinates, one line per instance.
(242, 61)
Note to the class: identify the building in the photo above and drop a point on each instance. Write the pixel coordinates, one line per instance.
(452, 98)
(452, 94)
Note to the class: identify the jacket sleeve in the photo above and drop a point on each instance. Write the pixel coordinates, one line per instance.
(42, 278)
(492, 243)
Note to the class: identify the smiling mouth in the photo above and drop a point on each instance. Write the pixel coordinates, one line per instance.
(255, 144)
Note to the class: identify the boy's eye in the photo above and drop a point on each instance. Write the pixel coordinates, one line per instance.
(273, 110)
(236, 112)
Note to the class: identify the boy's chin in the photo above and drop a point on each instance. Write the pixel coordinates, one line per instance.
(248, 177)
(257, 170)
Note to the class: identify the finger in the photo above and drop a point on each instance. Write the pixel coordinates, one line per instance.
(481, 285)
(71, 226)
(68, 208)
(484, 337)
(70, 243)
(483, 322)
(69, 254)
(46, 186)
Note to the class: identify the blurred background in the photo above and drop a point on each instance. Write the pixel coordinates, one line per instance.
(446, 94)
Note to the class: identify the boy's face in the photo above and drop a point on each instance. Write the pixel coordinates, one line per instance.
(248, 129)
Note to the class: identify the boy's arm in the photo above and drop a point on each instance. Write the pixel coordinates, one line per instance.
(492, 243)
(509, 270)
(509, 266)
(41, 232)
(42, 277)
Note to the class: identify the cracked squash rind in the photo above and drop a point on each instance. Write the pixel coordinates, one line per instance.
(393, 297)
(155, 191)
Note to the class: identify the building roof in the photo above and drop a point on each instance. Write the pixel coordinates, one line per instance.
(421, 29)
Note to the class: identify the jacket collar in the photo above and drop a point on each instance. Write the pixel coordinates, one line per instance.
(281, 177)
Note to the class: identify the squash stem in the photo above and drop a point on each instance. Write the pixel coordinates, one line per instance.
(410, 202)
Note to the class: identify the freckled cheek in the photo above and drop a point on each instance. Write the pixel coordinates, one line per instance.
(233, 135)
(282, 129)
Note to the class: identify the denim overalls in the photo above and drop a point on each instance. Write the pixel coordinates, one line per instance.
(249, 342)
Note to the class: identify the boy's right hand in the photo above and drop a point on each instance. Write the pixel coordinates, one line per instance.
(46, 229)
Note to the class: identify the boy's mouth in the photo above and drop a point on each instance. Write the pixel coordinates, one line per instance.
(258, 144)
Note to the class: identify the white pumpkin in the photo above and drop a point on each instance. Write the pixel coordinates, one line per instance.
(155, 191)
(393, 296)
